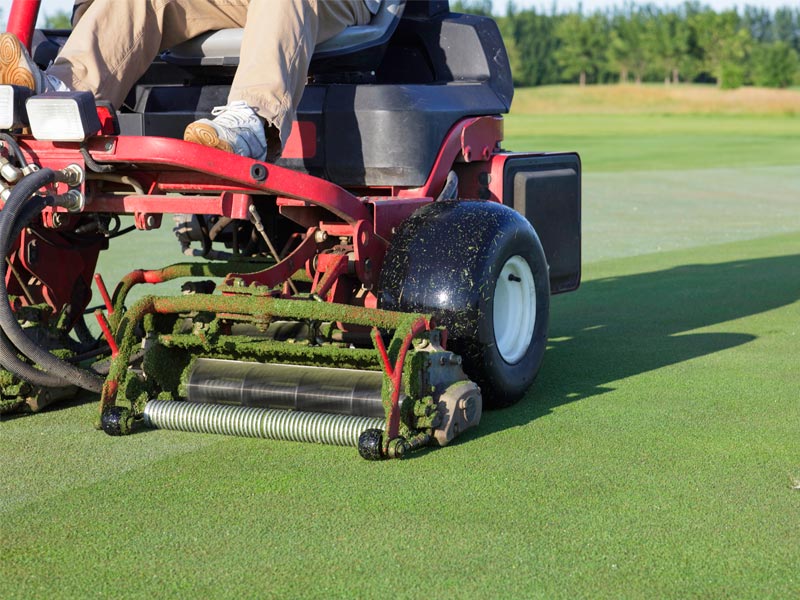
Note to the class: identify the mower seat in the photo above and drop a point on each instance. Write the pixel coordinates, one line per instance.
(221, 48)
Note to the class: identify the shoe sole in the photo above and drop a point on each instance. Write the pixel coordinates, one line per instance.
(205, 135)
(14, 68)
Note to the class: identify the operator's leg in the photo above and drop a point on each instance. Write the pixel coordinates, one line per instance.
(278, 43)
(81, 6)
(115, 41)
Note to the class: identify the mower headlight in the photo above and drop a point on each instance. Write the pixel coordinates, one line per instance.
(63, 116)
(12, 106)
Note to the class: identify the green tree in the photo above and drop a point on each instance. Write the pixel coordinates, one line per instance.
(758, 21)
(724, 45)
(775, 65)
(630, 48)
(670, 41)
(531, 43)
(786, 27)
(583, 41)
(59, 20)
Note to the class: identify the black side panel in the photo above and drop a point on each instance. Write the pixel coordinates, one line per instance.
(450, 49)
(391, 134)
(546, 189)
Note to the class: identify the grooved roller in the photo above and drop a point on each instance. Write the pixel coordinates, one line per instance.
(245, 421)
(288, 387)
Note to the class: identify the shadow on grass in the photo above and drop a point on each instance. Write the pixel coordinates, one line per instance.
(622, 326)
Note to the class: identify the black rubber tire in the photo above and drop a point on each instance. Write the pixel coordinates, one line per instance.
(445, 260)
(369, 444)
(116, 421)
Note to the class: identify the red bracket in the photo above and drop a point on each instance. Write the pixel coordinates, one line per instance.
(112, 343)
(395, 373)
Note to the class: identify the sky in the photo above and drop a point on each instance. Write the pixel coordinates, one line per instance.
(53, 6)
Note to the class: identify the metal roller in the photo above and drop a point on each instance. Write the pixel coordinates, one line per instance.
(244, 421)
(288, 387)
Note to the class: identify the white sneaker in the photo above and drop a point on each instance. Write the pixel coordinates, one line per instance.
(236, 128)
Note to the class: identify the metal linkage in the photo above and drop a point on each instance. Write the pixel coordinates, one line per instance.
(265, 423)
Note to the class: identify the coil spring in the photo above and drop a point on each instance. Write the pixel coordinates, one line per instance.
(244, 421)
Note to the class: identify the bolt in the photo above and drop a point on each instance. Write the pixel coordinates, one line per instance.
(320, 236)
(73, 201)
(73, 174)
(150, 222)
(443, 360)
(58, 219)
(109, 146)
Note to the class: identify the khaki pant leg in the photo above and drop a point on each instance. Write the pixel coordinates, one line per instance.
(278, 43)
(81, 6)
(115, 41)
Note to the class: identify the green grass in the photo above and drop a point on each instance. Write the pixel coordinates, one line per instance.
(655, 127)
(657, 455)
(621, 143)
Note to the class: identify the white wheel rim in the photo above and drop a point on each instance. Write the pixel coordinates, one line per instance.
(514, 312)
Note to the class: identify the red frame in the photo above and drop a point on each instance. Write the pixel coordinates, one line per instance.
(22, 20)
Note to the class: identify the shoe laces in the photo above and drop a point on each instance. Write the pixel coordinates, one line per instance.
(233, 115)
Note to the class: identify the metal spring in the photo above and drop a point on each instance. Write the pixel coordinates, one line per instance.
(244, 421)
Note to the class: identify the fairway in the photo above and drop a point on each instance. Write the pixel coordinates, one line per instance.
(657, 455)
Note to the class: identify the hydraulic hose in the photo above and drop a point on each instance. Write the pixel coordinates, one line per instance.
(55, 369)
(14, 148)
(8, 354)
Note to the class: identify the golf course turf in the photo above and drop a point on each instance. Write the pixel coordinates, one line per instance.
(657, 455)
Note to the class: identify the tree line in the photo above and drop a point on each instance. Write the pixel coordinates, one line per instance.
(636, 43)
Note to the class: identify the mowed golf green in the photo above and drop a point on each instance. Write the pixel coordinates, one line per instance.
(658, 454)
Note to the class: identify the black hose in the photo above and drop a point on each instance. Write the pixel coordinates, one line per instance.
(8, 354)
(81, 330)
(15, 149)
(93, 165)
(9, 219)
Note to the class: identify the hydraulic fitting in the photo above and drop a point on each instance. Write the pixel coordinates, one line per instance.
(8, 171)
(73, 174)
(73, 201)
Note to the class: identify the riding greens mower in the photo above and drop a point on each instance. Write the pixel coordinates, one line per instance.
(377, 285)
